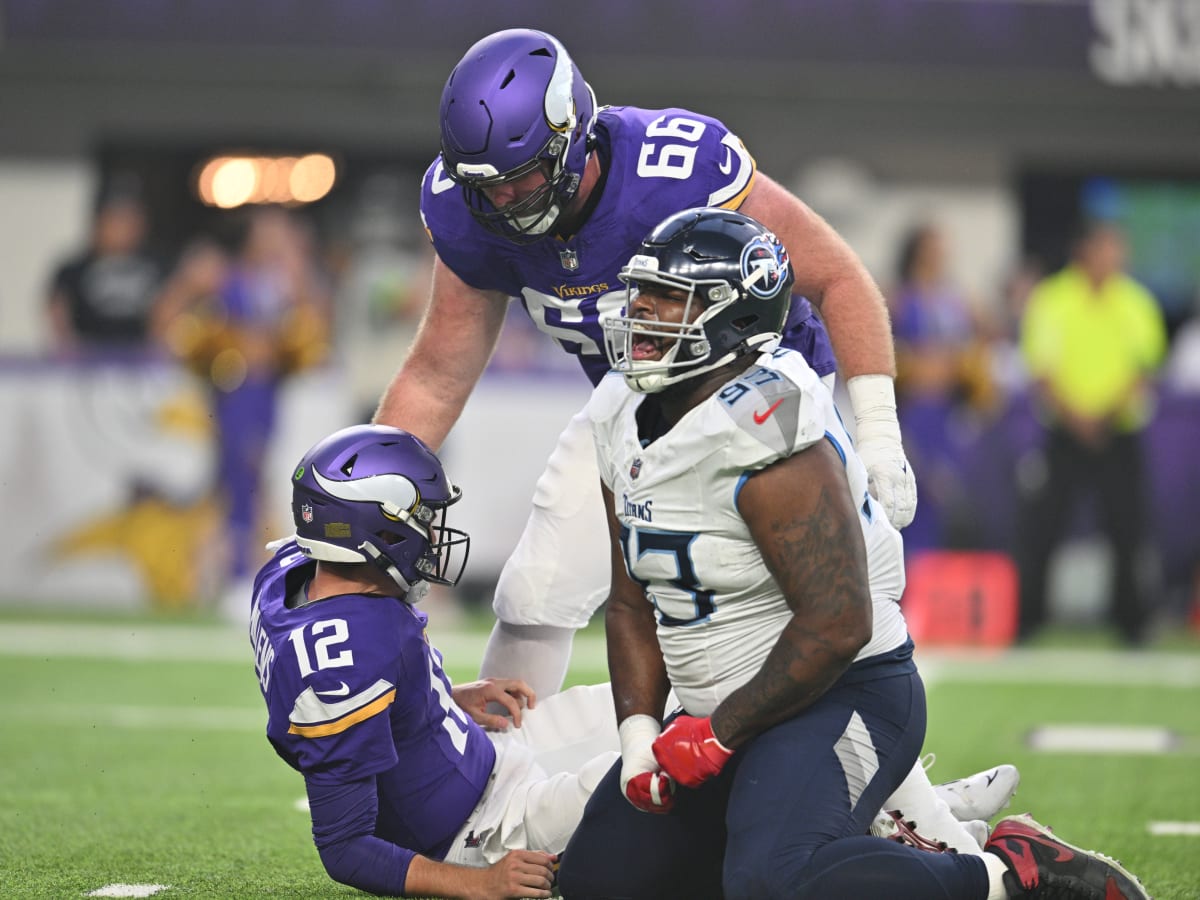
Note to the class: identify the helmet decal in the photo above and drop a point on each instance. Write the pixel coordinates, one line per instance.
(394, 493)
(764, 263)
(559, 104)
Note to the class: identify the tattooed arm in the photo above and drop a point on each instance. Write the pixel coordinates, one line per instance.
(801, 516)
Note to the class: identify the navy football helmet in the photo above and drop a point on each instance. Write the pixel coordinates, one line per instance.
(371, 493)
(516, 103)
(734, 271)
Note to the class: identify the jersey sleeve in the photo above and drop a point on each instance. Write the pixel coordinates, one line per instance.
(729, 167)
(671, 160)
(775, 410)
(344, 818)
(465, 249)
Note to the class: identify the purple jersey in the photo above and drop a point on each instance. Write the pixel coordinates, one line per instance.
(354, 689)
(656, 163)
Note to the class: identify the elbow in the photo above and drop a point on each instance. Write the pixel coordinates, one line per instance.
(337, 863)
(854, 633)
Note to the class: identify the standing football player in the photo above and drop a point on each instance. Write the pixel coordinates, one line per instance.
(408, 794)
(754, 573)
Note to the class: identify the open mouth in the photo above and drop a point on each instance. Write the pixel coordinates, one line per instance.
(644, 346)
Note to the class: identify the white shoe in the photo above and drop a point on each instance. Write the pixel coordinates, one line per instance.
(978, 830)
(982, 795)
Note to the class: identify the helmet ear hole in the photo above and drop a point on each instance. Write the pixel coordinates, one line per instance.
(743, 322)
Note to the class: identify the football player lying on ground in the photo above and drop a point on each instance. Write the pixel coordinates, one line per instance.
(408, 793)
(754, 574)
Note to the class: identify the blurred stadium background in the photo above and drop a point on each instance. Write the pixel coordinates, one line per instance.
(130, 752)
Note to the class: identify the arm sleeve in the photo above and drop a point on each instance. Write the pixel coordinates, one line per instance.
(343, 824)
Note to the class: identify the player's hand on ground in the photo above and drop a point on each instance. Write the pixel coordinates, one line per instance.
(521, 873)
(512, 694)
(689, 752)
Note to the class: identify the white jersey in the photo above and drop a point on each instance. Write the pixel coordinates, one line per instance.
(719, 610)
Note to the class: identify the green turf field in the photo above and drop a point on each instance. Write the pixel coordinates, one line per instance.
(132, 753)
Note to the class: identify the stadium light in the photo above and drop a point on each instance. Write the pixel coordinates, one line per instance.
(231, 181)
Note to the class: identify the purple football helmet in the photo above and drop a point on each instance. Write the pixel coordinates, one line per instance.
(516, 103)
(378, 494)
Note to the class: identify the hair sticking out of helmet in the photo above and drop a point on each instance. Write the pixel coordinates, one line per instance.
(516, 105)
(376, 494)
(738, 281)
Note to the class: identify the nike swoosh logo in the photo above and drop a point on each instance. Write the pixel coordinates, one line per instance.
(992, 777)
(760, 417)
(343, 691)
(727, 166)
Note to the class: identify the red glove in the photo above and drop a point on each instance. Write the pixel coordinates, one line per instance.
(689, 752)
(642, 782)
(652, 792)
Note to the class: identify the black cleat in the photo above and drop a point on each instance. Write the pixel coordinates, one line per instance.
(1044, 867)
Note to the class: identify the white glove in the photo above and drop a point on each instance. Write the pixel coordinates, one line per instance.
(889, 476)
(643, 782)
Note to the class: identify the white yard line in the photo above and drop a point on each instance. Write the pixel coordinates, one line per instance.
(209, 643)
(160, 718)
(1094, 668)
(1170, 829)
(1105, 739)
(127, 890)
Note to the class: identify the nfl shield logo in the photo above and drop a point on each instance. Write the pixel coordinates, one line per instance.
(570, 259)
(306, 512)
(635, 469)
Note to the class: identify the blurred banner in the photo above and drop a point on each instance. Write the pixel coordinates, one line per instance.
(109, 481)
(108, 469)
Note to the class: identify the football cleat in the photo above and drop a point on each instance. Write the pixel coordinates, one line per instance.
(1044, 867)
(982, 795)
(891, 824)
